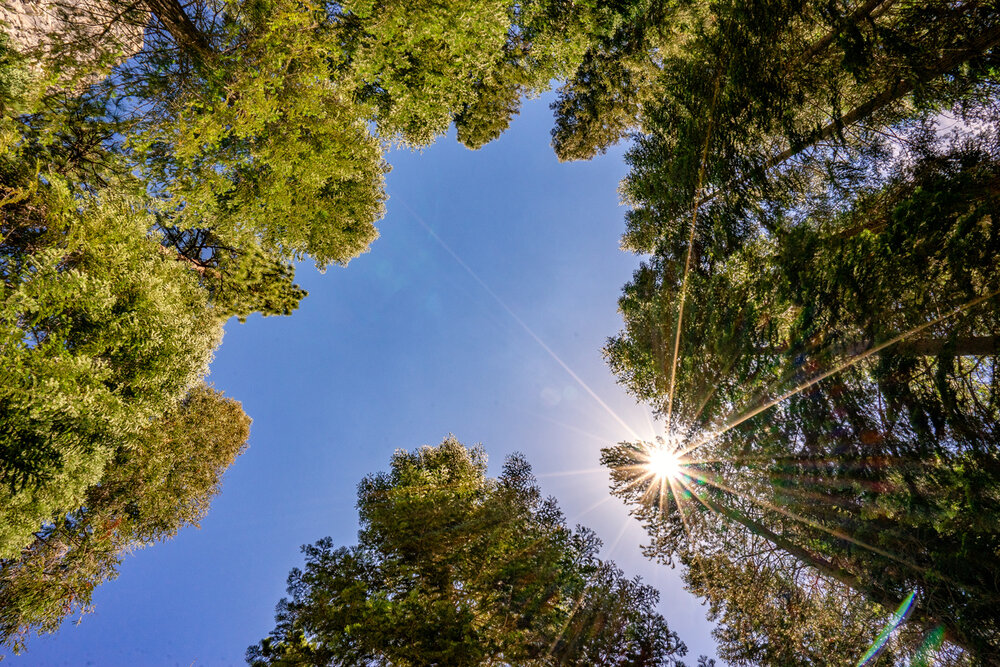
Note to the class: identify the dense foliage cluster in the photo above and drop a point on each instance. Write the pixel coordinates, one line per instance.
(454, 568)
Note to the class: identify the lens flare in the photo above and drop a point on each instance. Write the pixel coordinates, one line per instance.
(883, 637)
(932, 642)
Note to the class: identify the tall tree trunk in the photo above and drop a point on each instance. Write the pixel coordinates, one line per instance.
(180, 26)
(861, 13)
(965, 346)
(962, 346)
(829, 570)
(893, 93)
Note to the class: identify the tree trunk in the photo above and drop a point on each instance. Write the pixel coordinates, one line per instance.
(820, 45)
(962, 346)
(180, 26)
(968, 346)
(829, 570)
(893, 93)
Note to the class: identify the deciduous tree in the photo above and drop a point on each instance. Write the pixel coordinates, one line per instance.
(151, 488)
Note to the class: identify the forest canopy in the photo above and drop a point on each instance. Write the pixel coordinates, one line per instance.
(815, 319)
(813, 194)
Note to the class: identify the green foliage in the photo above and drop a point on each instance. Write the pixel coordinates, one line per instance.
(108, 441)
(267, 125)
(270, 150)
(419, 61)
(455, 568)
(880, 478)
(16, 80)
(766, 617)
(754, 99)
(101, 333)
(831, 210)
(546, 41)
(152, 487)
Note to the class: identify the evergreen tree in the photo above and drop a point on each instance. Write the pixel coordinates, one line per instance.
(455, 568)
(803, 214)
(878, 475)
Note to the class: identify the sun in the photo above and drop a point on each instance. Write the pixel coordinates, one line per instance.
(663, 463)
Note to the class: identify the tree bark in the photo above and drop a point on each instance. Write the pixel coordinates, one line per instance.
(180, 26)
(966, 346)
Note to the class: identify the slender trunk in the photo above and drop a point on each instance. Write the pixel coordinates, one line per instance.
(824, 42)
(180, 26)
(963, 346)
(829, 570)
(967, 346)
(893, 93)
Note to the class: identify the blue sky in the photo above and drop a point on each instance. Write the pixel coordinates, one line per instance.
(485, 258)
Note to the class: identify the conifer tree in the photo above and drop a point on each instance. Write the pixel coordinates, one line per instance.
(455, 568)
(880, 475)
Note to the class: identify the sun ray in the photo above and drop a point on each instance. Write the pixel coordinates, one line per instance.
(690, 252)
(605, 499)
(562, 424)
(496, 297)
(569, 619)
(618, 539)
(701, 476)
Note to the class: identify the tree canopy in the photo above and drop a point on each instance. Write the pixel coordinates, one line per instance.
(814, 185)
(160, 482)
(456, 568)
(817, 322)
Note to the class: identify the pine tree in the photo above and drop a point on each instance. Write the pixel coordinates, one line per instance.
(877, 475)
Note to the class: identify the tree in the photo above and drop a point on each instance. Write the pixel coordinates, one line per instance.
(108, 441)
(266, 122)
(763, 94)
(835, 396)
(731, 103)
(149, 491)
(261, 146)
(818, 318)
(101, 334)
(455, 568)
